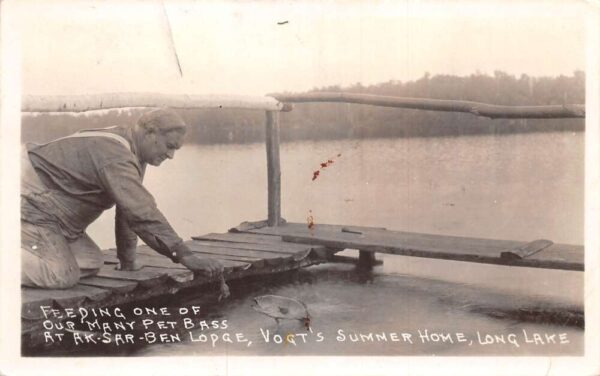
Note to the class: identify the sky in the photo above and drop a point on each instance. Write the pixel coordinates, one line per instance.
(255, 48)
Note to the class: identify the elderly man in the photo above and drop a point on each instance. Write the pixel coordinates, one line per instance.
(69, 182)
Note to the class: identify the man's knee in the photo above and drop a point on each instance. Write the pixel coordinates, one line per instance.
(47, 273)
(46, 260)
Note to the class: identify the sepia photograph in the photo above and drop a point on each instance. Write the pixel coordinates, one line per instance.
(354, 187)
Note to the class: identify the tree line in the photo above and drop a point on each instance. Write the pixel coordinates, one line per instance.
(318, 121)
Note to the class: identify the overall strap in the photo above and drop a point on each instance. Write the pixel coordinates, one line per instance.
(113, 136)
(96, 133)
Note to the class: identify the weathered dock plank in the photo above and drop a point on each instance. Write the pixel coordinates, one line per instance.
(115, 285)
(527, 250)
(146, 277)
(359, 232)
(32, 298)
(247, 255)
(291, 227)
(174, 274)
(259, 254)
(280, 248)
(566, 253)
(148, 257)
(66, 297)
(267, 256)
(227, 259)
(241, 238)
(556, 256)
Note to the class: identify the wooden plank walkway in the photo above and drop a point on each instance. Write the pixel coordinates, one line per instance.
(490, 251)
(243, 255)
(249, 251)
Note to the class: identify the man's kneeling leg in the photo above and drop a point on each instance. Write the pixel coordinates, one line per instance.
(88, 255)
(46, 260)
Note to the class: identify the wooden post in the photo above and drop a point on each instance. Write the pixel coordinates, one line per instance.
(273, 169)
(366, 260)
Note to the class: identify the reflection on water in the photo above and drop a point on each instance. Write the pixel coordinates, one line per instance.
(518, 187)
(345, 304)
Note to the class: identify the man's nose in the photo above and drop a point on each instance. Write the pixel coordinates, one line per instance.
(170, 154)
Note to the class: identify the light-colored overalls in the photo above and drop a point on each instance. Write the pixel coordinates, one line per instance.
(48, 258)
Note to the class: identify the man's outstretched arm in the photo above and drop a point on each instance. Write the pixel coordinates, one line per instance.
(123, 183)
(126, 240)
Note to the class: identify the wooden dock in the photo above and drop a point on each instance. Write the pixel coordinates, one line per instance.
(243, 255)
(253, 250)
(379, 240)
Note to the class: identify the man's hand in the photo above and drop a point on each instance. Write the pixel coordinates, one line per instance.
(209, 268)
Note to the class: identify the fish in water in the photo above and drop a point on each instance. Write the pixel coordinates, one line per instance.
(223, 288)
(281, 307)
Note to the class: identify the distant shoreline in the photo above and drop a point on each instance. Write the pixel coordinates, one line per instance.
(340, 121)
(314, 139)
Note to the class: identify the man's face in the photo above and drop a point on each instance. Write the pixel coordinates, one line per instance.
(157, 146)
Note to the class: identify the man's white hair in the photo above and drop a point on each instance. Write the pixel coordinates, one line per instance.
(162, 119)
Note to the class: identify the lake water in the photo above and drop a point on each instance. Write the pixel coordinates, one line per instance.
(518, 187)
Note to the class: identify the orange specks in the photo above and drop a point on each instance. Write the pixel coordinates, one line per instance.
(323, 166)
(310, 220)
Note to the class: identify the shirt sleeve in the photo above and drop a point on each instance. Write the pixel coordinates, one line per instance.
(125, 237)
(136, 205)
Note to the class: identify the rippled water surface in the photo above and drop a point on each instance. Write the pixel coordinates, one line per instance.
(518, 187)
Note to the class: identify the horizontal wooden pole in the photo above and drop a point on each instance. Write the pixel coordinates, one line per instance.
(92, 102)
(475, 108)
